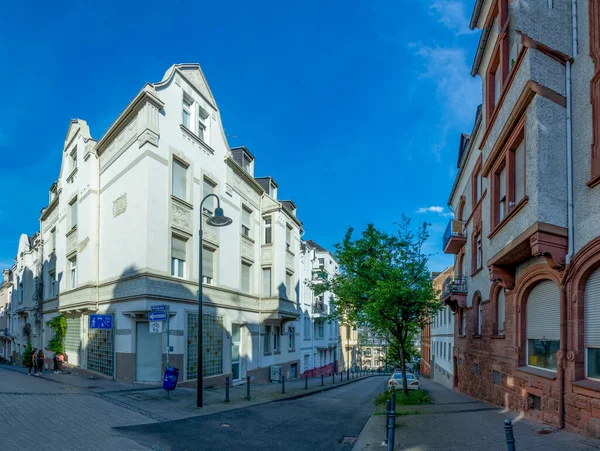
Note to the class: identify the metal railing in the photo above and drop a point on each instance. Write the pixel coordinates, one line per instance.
(320, 307)
(453, 229)
(454, 285)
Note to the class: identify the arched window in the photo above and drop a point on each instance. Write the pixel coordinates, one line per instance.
(591, 306)
(463, 321)
(501, 313)
(477, 314)
(479, 317)
(543, 325)
(460, 212)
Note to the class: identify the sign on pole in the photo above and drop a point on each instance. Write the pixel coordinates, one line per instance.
(156, 327)
(101, 321)
(160, 308)
(157, 316)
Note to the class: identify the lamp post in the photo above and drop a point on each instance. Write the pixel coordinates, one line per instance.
(217, 220)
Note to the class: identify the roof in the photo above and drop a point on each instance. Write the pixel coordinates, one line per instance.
(475, 14)
(316, 246)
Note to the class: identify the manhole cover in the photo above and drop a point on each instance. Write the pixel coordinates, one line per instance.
(225, 425)
(348, 440)
(544, 431)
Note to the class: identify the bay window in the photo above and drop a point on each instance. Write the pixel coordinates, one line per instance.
(591, 306)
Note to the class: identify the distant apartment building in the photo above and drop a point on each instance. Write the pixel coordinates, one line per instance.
(441, 340)
(120, 237)
(526, 232)
(6, 316)
(372, 350)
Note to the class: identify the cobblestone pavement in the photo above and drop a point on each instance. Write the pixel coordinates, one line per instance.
(458, 422)
(37, 413)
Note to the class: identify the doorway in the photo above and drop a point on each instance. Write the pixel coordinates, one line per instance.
(236, 344)
(147, 354)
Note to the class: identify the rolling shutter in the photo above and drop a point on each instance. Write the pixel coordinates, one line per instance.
(520, 172)
(501, 311)
(207, 262)
(543, 312)
(592, 310)
(178, 249)
(73, 335)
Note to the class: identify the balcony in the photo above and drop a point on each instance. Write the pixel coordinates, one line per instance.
(454, 293)
(320, 310)
(454, 237)
(319, 274)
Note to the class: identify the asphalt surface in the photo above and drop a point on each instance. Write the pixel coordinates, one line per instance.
(320, 421)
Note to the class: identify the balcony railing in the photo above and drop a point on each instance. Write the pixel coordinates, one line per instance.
(320, 308)
(319, 274)
(454, 237)
(454, 285)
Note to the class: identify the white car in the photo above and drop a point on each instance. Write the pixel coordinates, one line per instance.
(396, 382)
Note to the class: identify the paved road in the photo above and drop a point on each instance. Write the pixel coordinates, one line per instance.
(315, 422)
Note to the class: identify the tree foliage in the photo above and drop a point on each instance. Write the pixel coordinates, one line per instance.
(59, 326)
(383, 283)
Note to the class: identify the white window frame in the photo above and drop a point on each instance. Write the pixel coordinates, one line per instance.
(201, 124)
(291, 338)
(205, 279)
(187, 106)
(249, 265)
(73, 156)
(288, 237)
(276, 339)
(52, 277)
(73, 272)
(185, 166)
(74, 204)
(267, 291)
(177, 263)
(246, 230)
(268, 227)
(211, 201)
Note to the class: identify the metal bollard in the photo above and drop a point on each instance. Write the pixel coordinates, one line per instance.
(388, 409)
(333, 377)
(348, 374)
(282, 384)
(306, 383)
(342, 376)
(321, 380)
(248, 388)
(510, 438)
(392, 424)
(226, 388)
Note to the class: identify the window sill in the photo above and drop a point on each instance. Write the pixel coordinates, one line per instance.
(290, 252)
(292, 350)
(476, 336)
(588, 384)
(246, 237)
(196, 138)
(594, 181)
(182, 201)
(512, 213)
(276, 352)
(72, 175)
(477, 271)
(461, 336)
(498, 337)
(268, 353)
(71, 232)
(546, 374)
(267, 244)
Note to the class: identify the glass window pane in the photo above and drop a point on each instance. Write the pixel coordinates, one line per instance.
(235, 333)
(267, 282)
(593, 363)
(74, 214)
(208, 188)
(542, 353)
(179, 180)
(207, 262)
(178, 249)
(245, 278)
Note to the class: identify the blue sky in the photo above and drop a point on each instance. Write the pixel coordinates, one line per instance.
(354, 107)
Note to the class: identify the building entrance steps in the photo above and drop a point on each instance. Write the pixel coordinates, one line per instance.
(454, 421)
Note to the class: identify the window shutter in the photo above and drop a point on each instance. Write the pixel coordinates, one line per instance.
(207, 189)
(245, 278)
(207, 262)
(178, 249)
(246, 218)
(267, 282)
(520, 172)
(591, 306)
(179, 180)
(501, 311)
(543, 312)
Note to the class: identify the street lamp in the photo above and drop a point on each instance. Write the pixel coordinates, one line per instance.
(218, 220)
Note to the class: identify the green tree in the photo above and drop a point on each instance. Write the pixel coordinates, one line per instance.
(59, 326)
(384, 283)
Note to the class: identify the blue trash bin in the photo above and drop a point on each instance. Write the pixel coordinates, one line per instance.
(170, 379)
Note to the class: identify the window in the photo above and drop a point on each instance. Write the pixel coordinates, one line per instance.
(476, 183)
(73, 272)
(246, 163)
(53, 239)
(178, 257)
(266, 285)
(246, 277)
(292, 338)
(449, 351)
(208, 258)
(496, 376)
(479, 256)
(74, 159)
(276, 339)
(267, 344)
(268, 230)
(246, 221)
(321, 329)
(502, 195)
(449, 315)
(444, 351)
(307, 327)
(52, 277)
(306, 359)
(321, 263)
(186, 113)
(288, 285)
(463, 322)
(498, 67)
(501, 311)
(479, 317)
(543, 325)
(591, 305)
(21, 292)
(475, 368)
(179, 180)
(288, 237)
(202, 115)
(208, 187)
(519, 170)
(73, 213)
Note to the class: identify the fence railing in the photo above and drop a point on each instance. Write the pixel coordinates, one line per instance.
(454, 285)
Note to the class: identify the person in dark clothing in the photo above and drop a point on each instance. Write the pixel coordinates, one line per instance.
(32, 364)
(40, 362)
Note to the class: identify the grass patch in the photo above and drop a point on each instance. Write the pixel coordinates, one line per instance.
(414, 398)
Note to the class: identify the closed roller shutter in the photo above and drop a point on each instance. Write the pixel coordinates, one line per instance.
(592, 310)
(501, 311)
(543, 312)
(73, 335)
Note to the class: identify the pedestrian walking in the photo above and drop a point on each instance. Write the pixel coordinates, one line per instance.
(40, 362)
(32, 364)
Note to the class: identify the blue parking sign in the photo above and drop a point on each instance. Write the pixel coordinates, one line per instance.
(101, 321)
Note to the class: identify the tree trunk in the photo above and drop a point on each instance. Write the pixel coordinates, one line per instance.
(403, 368)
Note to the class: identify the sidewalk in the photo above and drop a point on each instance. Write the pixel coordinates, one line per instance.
(455, 421)
(152, 401)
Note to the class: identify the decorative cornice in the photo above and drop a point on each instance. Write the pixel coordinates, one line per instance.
(46, 211)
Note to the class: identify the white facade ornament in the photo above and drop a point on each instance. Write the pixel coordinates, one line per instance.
(181, 217)
(124, 139)
(120, 205)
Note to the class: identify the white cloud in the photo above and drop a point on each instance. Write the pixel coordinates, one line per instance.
(435, 209)
(451, 13)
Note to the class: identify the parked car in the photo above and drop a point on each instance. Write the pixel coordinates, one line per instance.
(396, 381)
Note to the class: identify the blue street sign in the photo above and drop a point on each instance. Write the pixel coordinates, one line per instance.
(157, 316)
(160, 308)
(101, 321)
